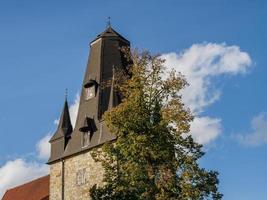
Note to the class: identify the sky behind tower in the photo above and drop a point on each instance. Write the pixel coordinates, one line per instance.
(220, 47)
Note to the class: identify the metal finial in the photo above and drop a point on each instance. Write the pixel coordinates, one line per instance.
(109, 22)
(66, 93)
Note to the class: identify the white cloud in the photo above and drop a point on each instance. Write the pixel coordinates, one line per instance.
(74, 109)
(19, 171)
(205, 129)
(56, 121)
(200, 64)
(43, 147)
(16, 172)
(258, 134)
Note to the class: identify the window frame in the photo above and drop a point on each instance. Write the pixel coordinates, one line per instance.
(86, 141)
(90, 90)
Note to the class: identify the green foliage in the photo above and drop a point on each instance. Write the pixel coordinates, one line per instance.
(154, 157)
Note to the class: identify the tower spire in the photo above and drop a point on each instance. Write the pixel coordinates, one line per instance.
(95, 99)
(64, 126)
(63, 133)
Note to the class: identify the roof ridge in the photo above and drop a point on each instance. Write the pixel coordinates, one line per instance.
(110, 32)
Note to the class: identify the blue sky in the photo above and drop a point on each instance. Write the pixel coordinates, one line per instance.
(44, 47)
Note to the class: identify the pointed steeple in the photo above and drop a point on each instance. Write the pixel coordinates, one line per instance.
(62, 135)
(64, 128)
(110, 32)
(65, 121)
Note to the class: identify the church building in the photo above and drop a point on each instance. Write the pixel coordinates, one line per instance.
(73, 171)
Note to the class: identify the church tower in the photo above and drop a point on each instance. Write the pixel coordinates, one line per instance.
(72, 169)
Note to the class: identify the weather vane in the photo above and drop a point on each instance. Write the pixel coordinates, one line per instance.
(66, 93)
(109, 22)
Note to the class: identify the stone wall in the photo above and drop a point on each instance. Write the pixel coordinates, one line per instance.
(55, 181)
(81, 172)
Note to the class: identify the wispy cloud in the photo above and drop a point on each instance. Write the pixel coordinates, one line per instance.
(43, 147)
(20, 170)
(201, 64)
(205, 129)
(258, 134)
(74, 109)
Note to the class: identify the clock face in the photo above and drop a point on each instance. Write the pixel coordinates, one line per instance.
(90, 92)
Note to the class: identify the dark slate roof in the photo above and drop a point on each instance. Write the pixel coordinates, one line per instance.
(110, 32)
(62, 135)
(64, 126)
(37, 189)
(105, 54)
(113, 98)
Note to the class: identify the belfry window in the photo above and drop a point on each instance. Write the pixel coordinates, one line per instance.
(87, 130)
(90, 89)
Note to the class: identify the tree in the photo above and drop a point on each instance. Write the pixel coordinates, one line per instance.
(154, 157)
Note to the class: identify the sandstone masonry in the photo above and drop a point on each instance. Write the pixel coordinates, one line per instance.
(80, 172)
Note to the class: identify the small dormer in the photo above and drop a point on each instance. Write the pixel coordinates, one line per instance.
(87, 131)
